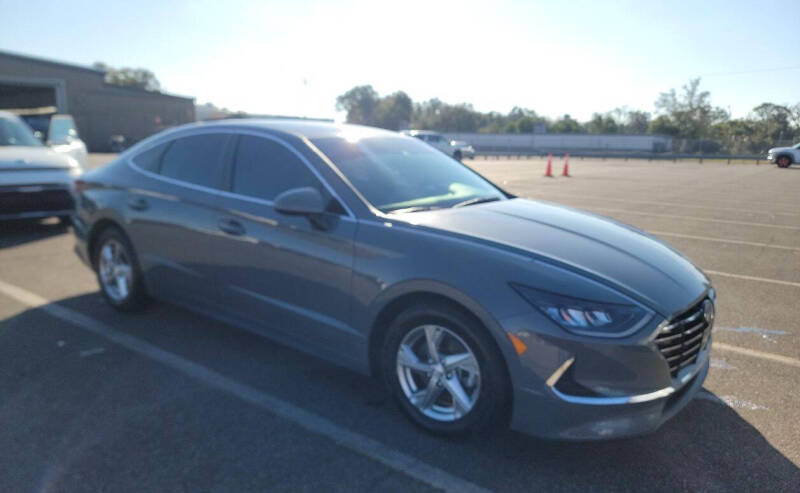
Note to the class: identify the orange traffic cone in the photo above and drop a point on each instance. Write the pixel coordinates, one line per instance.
(566, 166)
(549, 172)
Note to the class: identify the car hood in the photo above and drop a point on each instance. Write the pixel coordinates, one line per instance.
(615, 254)
(19, 158)
(780, 149)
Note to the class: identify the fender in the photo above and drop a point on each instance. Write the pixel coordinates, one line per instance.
(432, 287)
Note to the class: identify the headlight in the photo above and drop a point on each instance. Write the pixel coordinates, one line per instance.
(587, 317)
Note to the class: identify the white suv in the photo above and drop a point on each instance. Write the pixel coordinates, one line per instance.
(58, 132)
(454, 148)
(784, 156)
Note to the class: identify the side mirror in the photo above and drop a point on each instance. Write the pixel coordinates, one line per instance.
(305, 201)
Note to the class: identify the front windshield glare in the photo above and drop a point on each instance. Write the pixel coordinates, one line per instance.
(14, 132)
(401, 174)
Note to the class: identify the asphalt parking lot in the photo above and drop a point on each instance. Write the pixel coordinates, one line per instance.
(165, 400)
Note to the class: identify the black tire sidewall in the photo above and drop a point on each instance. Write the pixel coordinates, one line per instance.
(494, 394)
(786, 164)
(136, 297)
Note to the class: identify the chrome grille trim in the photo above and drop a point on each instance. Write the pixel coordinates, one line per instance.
(682, 338)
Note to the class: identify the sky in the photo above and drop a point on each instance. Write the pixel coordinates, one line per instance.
(294, 57)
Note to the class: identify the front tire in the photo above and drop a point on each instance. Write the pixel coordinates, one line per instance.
(784, 161)
(118, 271)
(444, 370)
(457, 155)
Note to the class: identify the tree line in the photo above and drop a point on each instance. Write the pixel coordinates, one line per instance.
(139, 78)
(686, 115)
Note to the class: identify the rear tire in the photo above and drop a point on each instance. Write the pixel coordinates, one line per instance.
(118, 272)
(473, 395)
(784, 161)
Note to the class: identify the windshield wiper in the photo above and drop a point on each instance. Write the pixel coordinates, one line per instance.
(476, 200)
(416, 208)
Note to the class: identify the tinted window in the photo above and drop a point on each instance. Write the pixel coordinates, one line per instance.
(196, 159)
(150, 160)
(264, 168)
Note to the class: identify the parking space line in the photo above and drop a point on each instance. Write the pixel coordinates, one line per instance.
(348, 439)
(752, 278)
(786, 360)
(691, 218)
(723, 240)
(672, 204)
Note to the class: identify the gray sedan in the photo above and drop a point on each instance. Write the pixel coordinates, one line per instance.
(375, 251)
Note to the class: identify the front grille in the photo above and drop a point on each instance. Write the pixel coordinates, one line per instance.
(682, 339)
(34, 199)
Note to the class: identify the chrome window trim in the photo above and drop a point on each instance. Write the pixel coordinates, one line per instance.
(224, 193)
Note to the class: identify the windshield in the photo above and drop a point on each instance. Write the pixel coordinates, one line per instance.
(15, 133)
(62, 130)
(399, 174)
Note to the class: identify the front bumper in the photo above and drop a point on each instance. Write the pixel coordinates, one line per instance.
(583, 389)
(593, 418)
(35, 201)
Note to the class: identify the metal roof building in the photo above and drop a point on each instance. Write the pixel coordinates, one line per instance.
(100, 110)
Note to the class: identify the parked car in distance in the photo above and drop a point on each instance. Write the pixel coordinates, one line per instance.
(377, 252)
(60, 133)
(458, 149)
(35, 181)
(462, 149)
(784, 156)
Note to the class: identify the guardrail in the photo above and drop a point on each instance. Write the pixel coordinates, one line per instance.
(650, 156)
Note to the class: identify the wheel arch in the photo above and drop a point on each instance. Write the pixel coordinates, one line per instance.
(413, 293)
(95, 231)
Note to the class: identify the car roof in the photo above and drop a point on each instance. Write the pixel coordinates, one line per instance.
(422, 132)
(309, 129)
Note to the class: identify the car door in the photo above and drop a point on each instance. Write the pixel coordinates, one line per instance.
(285, 275)
(173, 218)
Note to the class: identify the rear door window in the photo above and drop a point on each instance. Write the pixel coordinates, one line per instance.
(197, 159)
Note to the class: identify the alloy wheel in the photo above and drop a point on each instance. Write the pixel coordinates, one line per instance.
(438, 373)
(116, 274)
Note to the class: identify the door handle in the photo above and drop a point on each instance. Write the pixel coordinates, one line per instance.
(231, 226)
(137, 204)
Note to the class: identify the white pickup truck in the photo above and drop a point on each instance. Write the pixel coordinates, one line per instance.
(784, 156)
(458, 149)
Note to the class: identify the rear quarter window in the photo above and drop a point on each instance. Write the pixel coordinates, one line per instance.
(150, 160)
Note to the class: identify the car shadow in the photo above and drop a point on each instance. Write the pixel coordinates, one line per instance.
(19, 231)
(707, 446)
